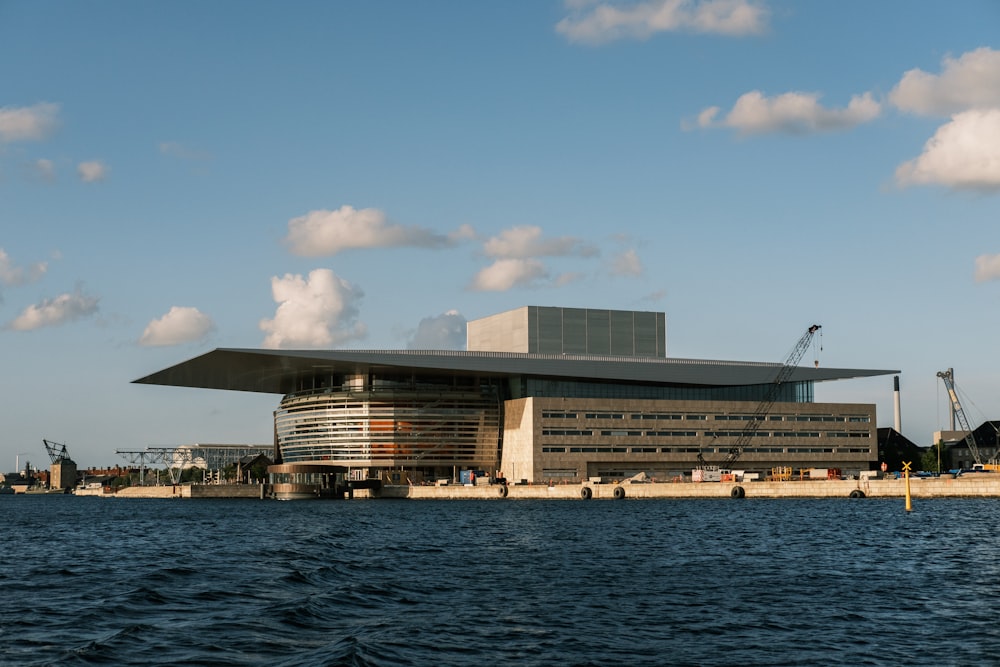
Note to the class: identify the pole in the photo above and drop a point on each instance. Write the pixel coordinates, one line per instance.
(906, 473)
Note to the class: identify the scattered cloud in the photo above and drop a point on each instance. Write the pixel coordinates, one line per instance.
(324, 233)
(505, 274)
(526, 241)
(791, 113)
(92, 172)
(440, 332)
(964, 154)
(181, 324)
(516, 264)
(318, 311)
(33, 123)
(54, 312)
(987, 268)
(603, 22)
(626, 263)
(11, 275)
(971, 81)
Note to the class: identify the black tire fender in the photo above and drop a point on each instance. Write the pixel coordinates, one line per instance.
(586, 493)
(738, 492)
(619, 492)
(857, 493)
(503, 490)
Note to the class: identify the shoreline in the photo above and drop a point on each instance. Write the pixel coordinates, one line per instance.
(969, 486)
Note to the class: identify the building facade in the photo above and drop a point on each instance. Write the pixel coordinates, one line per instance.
(540, 395)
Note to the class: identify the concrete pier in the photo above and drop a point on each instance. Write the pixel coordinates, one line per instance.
(983, 485)
(967, 486)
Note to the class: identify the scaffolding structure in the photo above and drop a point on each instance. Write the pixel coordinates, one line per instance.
(208, 457)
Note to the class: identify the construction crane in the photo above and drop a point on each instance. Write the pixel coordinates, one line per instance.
(754, 422)
(948, 377)
(57, 452)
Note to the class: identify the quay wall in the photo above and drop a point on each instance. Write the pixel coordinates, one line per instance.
(968, 486)
(181, 491)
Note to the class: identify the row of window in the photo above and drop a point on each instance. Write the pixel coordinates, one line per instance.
(589, 433)
(855, 419)
(704, 450)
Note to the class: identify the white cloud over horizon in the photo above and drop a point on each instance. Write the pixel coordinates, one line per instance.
(987, 268)
(526, 241)
(181, 324)
(791, 113)
(92, 171)
(602, 22)
(317, 311)
(516, 252)
(32, 123)
(964, 154)
(54, 312)
(505, 274)
(440, 332)
(626, 263)
(971, 81)
(324, 232)
(12, 275)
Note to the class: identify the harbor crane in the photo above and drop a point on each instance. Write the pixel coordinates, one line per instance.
(753, 423)
(948, 377)
(57, 452)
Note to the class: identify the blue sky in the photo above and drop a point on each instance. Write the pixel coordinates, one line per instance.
(181, 176)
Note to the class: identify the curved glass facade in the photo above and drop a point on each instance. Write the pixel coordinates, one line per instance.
(412, 425)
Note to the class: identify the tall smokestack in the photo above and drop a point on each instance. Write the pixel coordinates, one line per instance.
(895, 398)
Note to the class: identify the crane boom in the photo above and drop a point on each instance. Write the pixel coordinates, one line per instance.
(948, 377)
(753, 423)
(57, 452)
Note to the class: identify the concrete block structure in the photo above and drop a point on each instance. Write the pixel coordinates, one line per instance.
(541, 394)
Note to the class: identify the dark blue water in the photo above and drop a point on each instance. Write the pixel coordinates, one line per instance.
(93, 581)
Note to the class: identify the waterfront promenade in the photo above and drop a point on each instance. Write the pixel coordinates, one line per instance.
(966, 486)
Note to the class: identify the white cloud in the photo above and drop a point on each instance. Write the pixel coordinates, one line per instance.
(33, 123)
(606, 21)
(793, 113)
(526, 241)
(627, 264)
(971, 81)
(93, 171)
(964, 154)
(318, 311)
(53, 312)
(323, 233)
(440, 332)
(504, 274)
(181, 324)
(16, 275)
(987, 268)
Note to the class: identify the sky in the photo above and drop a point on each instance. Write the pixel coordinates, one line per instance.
(182, 176)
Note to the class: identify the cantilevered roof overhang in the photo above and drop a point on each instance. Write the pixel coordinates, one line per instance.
(280, 371)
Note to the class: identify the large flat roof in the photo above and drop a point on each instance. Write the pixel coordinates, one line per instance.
(278, 371)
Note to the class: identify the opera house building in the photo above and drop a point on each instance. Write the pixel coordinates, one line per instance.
(541, 394)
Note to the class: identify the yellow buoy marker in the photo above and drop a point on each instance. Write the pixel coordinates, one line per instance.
(906, 475)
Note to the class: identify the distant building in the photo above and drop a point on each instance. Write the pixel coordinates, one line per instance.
(956, 451)
(541, 394)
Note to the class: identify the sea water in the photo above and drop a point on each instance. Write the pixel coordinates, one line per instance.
(96, 581)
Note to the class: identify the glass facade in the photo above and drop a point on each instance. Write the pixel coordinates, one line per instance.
(383, 423)
(789, 392)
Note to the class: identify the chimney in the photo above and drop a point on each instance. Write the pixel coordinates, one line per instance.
(895, 397)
